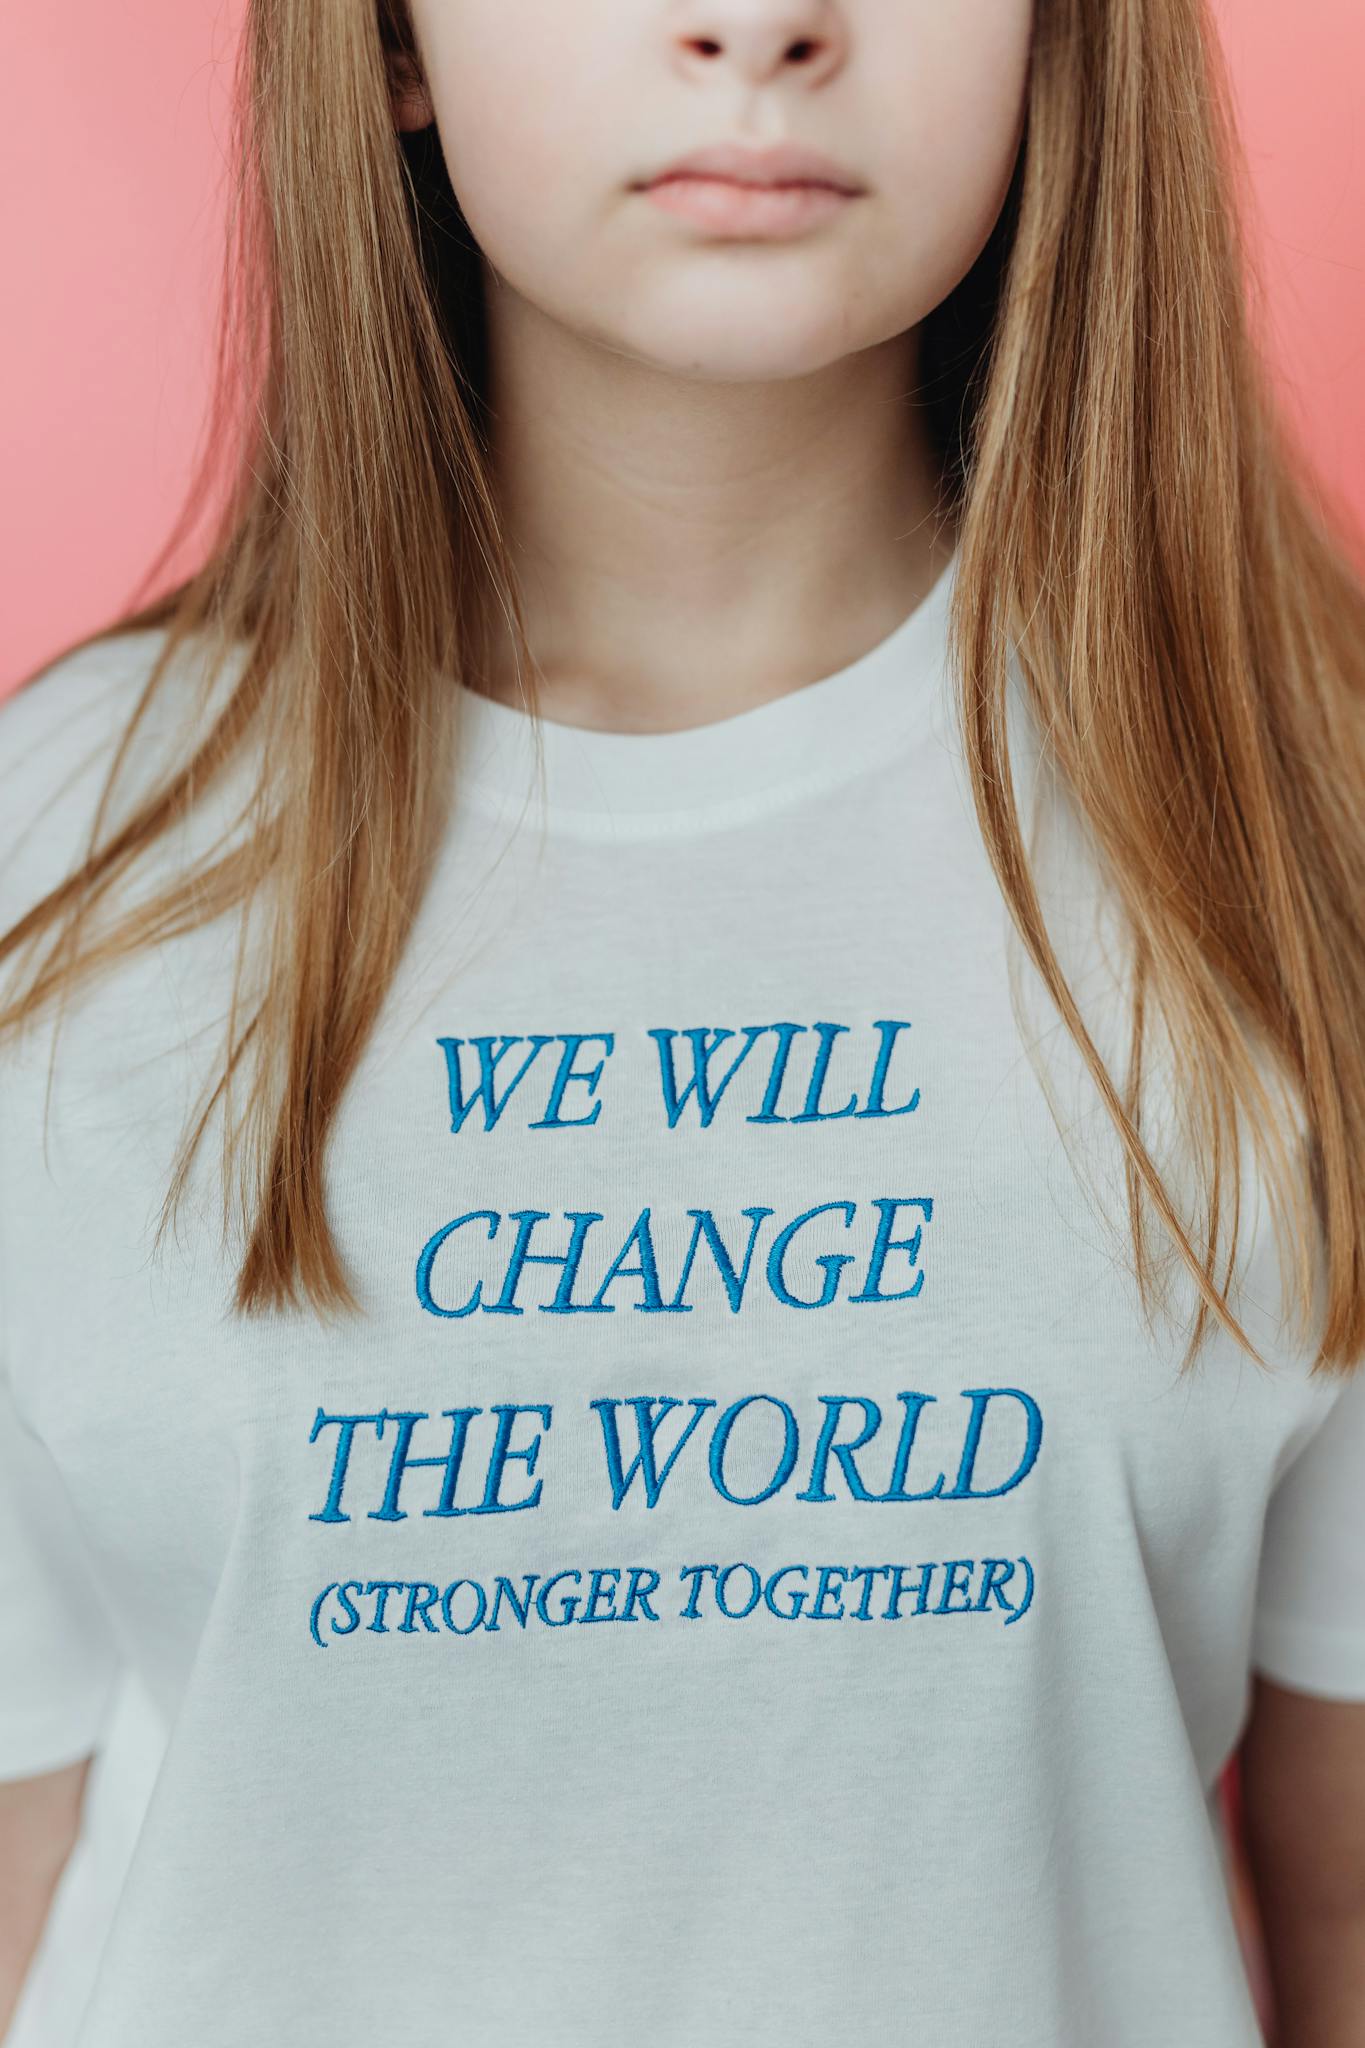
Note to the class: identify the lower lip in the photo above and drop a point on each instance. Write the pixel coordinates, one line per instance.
(729, 208)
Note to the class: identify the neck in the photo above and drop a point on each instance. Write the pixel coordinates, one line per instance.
(686, 548)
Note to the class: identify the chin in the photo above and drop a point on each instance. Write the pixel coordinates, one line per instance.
(771, 343)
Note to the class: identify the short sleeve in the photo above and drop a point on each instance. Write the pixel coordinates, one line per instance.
(1309, 1631)
(59, 1664)
(59, 1661)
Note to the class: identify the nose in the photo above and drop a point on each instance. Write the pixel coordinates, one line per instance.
(760, 40)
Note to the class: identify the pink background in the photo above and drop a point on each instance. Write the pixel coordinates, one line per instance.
(113, 128)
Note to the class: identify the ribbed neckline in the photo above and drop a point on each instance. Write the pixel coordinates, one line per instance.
(644, 785)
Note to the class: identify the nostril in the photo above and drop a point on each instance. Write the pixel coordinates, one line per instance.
(800, 52)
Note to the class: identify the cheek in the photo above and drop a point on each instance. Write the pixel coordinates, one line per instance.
(512, 125)
(956, 140)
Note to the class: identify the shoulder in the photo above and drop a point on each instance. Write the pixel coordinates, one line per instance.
(71, 716)
(60, 738)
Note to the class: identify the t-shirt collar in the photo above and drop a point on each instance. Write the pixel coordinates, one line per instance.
(649, 784)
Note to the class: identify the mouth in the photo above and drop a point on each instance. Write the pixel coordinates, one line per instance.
(770, 193)
(725, 207)
(784, 165)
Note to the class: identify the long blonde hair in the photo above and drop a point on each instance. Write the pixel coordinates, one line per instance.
(1187, 630)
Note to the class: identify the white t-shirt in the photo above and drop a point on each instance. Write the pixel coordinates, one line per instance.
(748, 1576)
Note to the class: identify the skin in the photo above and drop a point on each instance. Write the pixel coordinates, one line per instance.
(1303, 1794)
(39, 1825)
(713, 486)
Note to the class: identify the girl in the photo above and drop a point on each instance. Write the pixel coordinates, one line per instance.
(684, 1210)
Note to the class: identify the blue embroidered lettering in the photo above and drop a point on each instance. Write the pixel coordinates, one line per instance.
(981, 1398)
(889, 1028)
(553, 1119)
(448, 1603)
(721, 1437)
(502, 1591)
(902, 1584)
(568, 1263)
(567, 1606)
(645, 1269)
(755, 1591)
(346, 1426)
(951, 1568)
(427, 1260)
(885, 1243)
(318, 1606)
(704, 1225)
(597, 1586)
(812, 1113)
(999, 1572)
(695, 1572)
(646, 1429)
(401, 1461)
(869, 1574)
(638, 1592)
(383, 1587)
(421, 1595)
(777, 1073)
(797, 1600)
(507, 1413)
(915, 1404)
(489, 1062)
(1024, 1605)
(833, 1263)
(835, 1405)
(704, 1044)
(829, 1574)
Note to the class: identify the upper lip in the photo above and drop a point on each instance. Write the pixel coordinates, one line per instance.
(785, 163)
